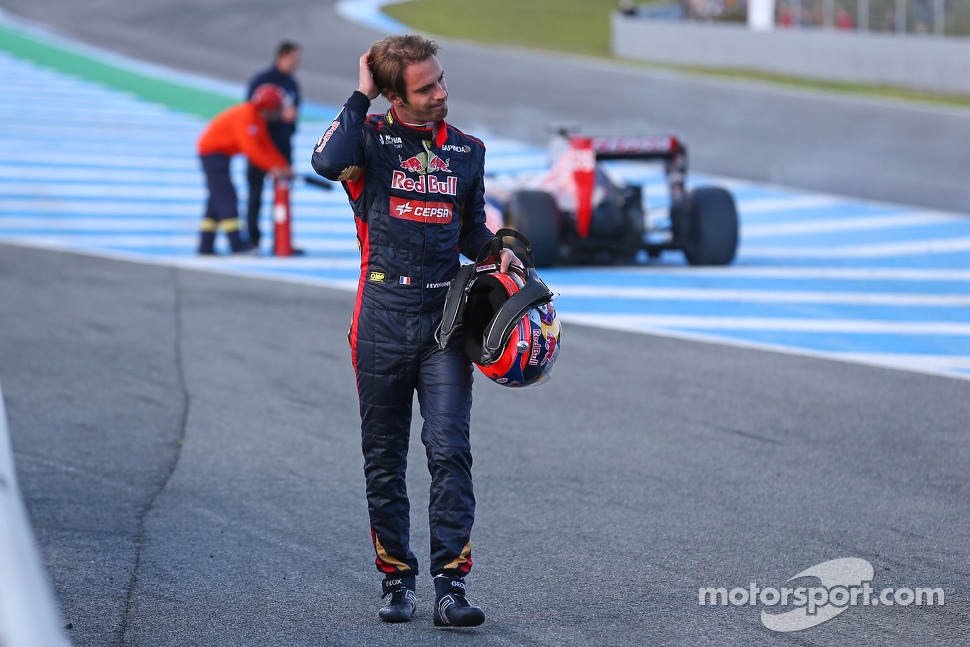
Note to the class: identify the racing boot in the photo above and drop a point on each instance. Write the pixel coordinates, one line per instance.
(400, 608)
(451, 609)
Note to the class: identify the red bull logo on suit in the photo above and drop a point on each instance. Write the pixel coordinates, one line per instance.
(423, 163)
(435, 163)
(424, 184)
(412, 164)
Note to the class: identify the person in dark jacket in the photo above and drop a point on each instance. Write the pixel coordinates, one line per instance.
(281, 131)
(416, 186)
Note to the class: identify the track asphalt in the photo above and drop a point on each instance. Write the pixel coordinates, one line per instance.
(186, 440)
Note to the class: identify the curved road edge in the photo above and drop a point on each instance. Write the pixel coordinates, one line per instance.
(367, 13)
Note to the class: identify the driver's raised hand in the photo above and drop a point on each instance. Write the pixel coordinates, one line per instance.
(365, 84)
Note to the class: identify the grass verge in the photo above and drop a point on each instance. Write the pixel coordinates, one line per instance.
(573, 26)
(190, 100)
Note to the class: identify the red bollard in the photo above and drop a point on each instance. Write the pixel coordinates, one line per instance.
(282, 246)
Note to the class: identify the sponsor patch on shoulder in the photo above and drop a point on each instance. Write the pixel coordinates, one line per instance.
(326, 136)
(376, 276)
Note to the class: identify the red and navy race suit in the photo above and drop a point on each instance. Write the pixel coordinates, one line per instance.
(418, 200)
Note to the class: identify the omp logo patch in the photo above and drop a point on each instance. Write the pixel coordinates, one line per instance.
(432, 213)
(376, 276)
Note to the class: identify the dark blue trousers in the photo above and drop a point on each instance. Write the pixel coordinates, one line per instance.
(222, 205)
(396, 356)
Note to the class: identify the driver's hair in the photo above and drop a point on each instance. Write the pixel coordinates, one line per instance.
(389, 57)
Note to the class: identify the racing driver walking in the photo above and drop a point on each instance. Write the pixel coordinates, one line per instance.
(416, 186)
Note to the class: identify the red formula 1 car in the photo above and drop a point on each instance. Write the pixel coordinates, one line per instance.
(580, 211)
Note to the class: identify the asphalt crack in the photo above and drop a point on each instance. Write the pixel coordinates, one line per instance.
(173, 464)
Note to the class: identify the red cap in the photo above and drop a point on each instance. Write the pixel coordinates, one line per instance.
(268, 97)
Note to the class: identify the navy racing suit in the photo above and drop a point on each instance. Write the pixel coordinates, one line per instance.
(418, 200)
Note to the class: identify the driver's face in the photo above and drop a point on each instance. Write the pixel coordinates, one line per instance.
(426, 95)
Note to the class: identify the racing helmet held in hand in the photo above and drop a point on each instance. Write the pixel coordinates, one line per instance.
(509, 325)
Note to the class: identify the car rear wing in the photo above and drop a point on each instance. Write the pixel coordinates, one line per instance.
(666, 148)
(654, 147)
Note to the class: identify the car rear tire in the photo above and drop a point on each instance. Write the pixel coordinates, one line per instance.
(534, 214)
(710, 230)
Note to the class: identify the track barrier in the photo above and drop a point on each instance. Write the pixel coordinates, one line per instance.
(29, 616)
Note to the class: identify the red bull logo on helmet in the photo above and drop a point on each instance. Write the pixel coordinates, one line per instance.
(551, 342)
(544, 344)
(540, 344)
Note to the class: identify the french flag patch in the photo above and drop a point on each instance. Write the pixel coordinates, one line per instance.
(404, 280)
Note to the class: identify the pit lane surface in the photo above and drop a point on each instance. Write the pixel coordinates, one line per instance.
(630, 501)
